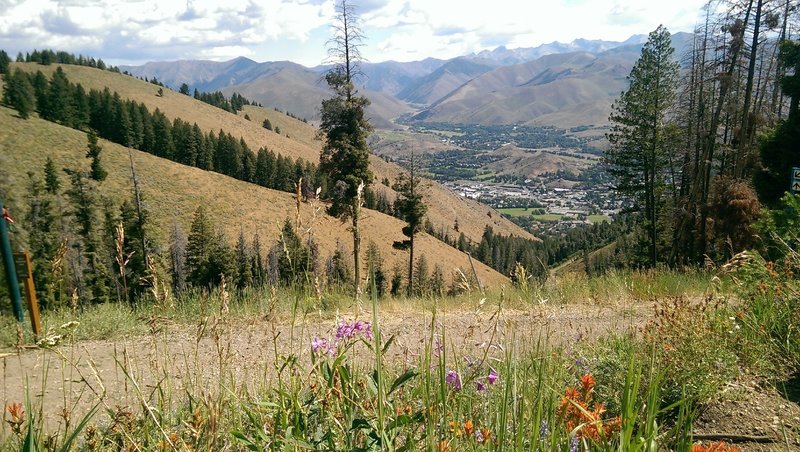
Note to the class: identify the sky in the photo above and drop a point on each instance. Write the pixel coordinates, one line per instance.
(137, 31)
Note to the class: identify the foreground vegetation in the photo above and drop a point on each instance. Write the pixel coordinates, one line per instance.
(632, 390)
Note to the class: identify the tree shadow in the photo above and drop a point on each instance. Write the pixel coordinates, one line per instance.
(790, 388)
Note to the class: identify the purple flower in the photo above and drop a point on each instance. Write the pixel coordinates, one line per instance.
(322, 346)
(480, 386)
(544, 430)
(492, 377)
(478, 435)
(574, 444)
(346, 330)
(453, 378)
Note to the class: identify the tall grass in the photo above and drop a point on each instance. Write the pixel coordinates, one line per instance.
(343, 392)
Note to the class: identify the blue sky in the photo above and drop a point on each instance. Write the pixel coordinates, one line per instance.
(137, 31)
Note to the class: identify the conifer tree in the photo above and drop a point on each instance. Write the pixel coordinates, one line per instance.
(637, 137)
(177, 255)
(779, 150)
(41, 221)
(411, 208)
(243, 263)
(5, 62)
(84, 212)
(257, 263)
(294, 260)
(19, 93)
(345, 154)
(199, 248)
(221, 261)
(60, 102)
(93, 150)
(375, 261)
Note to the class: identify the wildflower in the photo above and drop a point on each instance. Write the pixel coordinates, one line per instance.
(544, 430)
(479, 436)
(468, 427)
(587, 383)
(492, 377)
(453, 378)
(574, 444)
(17, 413)
(485, 435)
(70, 325)
(480, 386)
(322, 346)
(346, 330)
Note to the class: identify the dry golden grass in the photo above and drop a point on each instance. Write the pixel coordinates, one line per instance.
(173, 192)
(444, 208)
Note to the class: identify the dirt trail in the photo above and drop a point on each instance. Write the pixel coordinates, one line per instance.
(179, 356)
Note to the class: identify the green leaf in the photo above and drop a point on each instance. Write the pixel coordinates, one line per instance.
(360, 424)
(247, 442)
(388, 343)
(403, 379)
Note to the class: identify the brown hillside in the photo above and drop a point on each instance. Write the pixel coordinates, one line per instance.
(532, 163)
(444, 205)
(174, 191)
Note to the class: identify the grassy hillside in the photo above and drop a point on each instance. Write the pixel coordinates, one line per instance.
(444, 205)
(174, 191)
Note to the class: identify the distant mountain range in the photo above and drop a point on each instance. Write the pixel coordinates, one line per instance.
(558, 84)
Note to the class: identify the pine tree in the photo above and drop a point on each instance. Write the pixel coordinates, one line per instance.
(266, 124)
(42, 225)
(257, 263)
(337, 270)
(60, 102)
(293, 259)
(423, 277)
(221, 261)
(779, 150)
(345, 155)
(243, 263)
(638, 141)
(83, 199)
(184, 89)
(5, 62)
(93, 150)
(19, 93)
(411, 208)
(199, 248)
(177, 258)
(375, 262)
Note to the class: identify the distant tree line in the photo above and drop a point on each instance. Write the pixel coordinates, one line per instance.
(47, 57)
(131, 124)
(217, 99)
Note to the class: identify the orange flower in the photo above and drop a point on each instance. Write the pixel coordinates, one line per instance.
(16, 411)
(443, 445)
(469, 428)
(587, 383)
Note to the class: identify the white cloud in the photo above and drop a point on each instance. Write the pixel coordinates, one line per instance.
(122, 31)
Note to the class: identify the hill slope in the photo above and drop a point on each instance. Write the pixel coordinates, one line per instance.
(174, 191)
(445, 206)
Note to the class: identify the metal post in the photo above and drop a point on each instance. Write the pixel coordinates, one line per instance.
(11, 271)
